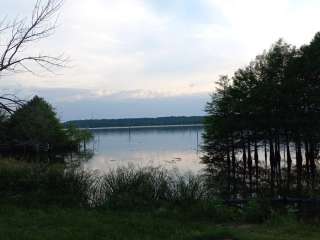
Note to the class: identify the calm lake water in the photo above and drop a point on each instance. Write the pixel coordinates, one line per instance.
(170, 147)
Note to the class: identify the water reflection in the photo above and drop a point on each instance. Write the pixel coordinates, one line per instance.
(170, 147)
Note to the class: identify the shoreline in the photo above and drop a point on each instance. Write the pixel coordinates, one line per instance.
(146, 126)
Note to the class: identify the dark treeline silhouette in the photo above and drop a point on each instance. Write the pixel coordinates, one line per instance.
(262, 132)
(130, 122)
(34, 126)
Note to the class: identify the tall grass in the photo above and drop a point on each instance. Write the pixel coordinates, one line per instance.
(128, 187)
(124, 187)
(43, 184)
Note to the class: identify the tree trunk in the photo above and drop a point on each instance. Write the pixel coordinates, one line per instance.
(289, 164)
(271, 165)
(250, 166)
(266, 158)
(228, 172)
(278, 163)
(244, 159)
(299, 166)
(256, 163)
(307, 157)
(233, 159)
(312, 164)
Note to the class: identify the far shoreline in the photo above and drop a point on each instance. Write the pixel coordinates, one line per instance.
(131, 123)
(146, 126)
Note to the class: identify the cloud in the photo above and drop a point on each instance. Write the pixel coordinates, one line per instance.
(150, 49)
(108, 107)
(72, 104)
(132, 44)
(257, 24)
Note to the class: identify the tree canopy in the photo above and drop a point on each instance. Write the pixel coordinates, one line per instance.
(36, 123)
(262, 131)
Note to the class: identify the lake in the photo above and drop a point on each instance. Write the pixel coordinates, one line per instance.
(172, 147)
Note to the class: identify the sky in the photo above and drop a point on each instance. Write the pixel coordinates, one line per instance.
(148, 58)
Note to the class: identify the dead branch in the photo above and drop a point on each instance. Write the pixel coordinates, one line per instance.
(9, 103)
(20, 34)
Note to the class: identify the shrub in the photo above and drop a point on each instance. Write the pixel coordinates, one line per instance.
(41, 184)
(256, 211)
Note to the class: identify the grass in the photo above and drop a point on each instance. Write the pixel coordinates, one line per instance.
(76, 223)
(34, 184)
(127, 187)
(40, 201)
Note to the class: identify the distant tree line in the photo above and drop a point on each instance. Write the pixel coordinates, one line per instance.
(130, 122)
(262, 132)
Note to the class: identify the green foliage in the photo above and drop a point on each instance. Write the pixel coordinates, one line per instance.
(267, 114)
(288, 217)
(77, 136)
(256, 211)
(122, 188)
(36, 123)
(3, 127)
(148, 188)
(216, 211)
(145, 190)
(34, 184)
(52, 223)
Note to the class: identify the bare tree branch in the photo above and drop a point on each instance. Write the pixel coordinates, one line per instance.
(9, 103)
(20, 35)
(16, 36)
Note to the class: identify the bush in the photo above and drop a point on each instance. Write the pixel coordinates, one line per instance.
(256, 211)
(41, 184)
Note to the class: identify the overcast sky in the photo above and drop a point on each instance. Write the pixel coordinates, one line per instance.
(135, 58)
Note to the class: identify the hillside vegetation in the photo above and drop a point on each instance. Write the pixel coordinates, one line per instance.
(131, 122)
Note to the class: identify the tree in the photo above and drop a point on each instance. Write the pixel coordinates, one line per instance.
(36, 123)
(77, 136)
(271, 108)
(17, 36)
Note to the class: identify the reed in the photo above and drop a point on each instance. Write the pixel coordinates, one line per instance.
(125, 187)
(130, 187)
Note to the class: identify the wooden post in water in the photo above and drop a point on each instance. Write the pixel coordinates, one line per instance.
(197, 141)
